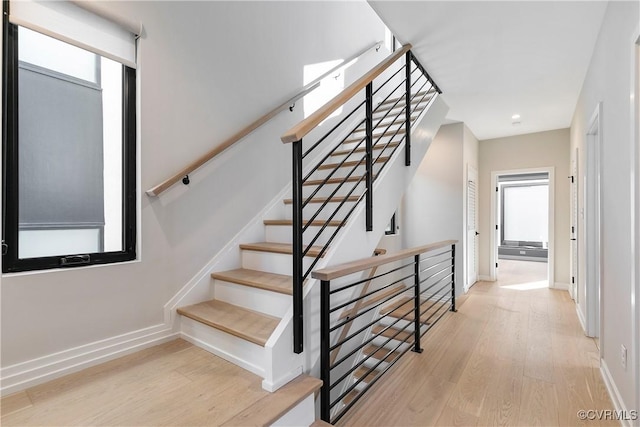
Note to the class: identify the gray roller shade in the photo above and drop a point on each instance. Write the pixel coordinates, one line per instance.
(60, 150)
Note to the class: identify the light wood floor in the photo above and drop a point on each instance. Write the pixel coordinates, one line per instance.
(171, 384)
(514, 354)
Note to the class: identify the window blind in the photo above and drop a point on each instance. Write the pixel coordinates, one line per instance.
(85, 24)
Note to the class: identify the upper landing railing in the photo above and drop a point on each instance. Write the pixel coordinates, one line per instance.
(183, 174)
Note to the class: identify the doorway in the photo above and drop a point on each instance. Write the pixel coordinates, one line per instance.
(522, 218)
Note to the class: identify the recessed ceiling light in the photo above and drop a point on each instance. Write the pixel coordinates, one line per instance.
(515, 116)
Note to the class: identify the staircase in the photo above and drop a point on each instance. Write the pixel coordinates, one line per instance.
(249, 318)
(391, 339)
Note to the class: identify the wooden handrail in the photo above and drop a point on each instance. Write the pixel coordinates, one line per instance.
(164, 185)
(297, 132)
(345, 269)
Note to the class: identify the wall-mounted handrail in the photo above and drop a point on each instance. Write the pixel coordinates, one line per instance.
(300, 130)
(236, 137)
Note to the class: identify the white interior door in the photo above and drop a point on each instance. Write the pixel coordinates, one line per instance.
(472, 227)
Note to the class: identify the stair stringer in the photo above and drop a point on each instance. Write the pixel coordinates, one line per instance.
(353, 243)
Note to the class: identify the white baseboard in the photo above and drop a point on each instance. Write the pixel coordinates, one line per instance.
(27, 374)
(272, 386)
(614, 393)
(581, 319)
(560, 286)
(485, 278)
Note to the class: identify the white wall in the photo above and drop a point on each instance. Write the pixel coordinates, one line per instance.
(432, 207)
(608, 81)
(206, 69)
(534, 150)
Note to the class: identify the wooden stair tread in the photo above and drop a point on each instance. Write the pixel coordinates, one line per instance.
(320, 423)
(247, 324)
(334, 199)
(314, 223)
(279, 248)
(376, 298)
(376, 135)
(379, 146)
(380, 352)
(393, 333)
(400, 307)
(396, 121)
(361, 372)
(350, 397)
(272, 407)
(334, 180)
(257, 279)
(381, 159)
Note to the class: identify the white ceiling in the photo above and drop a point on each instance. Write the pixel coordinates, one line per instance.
(496, 59)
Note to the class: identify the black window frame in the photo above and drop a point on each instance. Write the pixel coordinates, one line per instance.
(10, 145)
(392, 227)
(516, 243)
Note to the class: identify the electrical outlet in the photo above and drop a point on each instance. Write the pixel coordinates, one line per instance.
(623, 356)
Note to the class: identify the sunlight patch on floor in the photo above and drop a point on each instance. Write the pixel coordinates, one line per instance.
(541, 284)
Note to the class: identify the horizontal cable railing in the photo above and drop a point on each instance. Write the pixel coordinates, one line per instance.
(387, 313)
(334, 172)
(183, 174)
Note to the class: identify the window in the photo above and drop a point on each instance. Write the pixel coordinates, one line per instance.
(392, 227)
(69, 149)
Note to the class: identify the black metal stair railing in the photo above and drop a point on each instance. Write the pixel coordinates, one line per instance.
(399, 306)
(376, 126)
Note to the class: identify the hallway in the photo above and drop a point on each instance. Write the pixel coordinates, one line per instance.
(514, 354)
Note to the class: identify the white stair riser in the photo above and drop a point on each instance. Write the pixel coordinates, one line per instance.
(371, 362)
(345, 171)
(283, 234)
(389, 123)
(303, 414)
(391, 345)
(356, 155)
(386, 321)
(261, 300)
(311, 209)
(271, 262)
(238, 351)
(327, 190)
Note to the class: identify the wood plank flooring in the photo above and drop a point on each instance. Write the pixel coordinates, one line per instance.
(513, 355)
(172, 384)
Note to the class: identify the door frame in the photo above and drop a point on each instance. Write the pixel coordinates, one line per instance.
(476, 242)
(493, 235)
(592, 193)
(635, 211)
(574, 207)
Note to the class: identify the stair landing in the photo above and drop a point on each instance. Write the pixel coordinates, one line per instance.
(175, 383)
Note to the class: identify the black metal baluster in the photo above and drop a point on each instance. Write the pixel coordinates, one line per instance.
(325, 369)
(453, 277)
(297, 247)
(407, 111)
(369, 156)
(416, 313)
